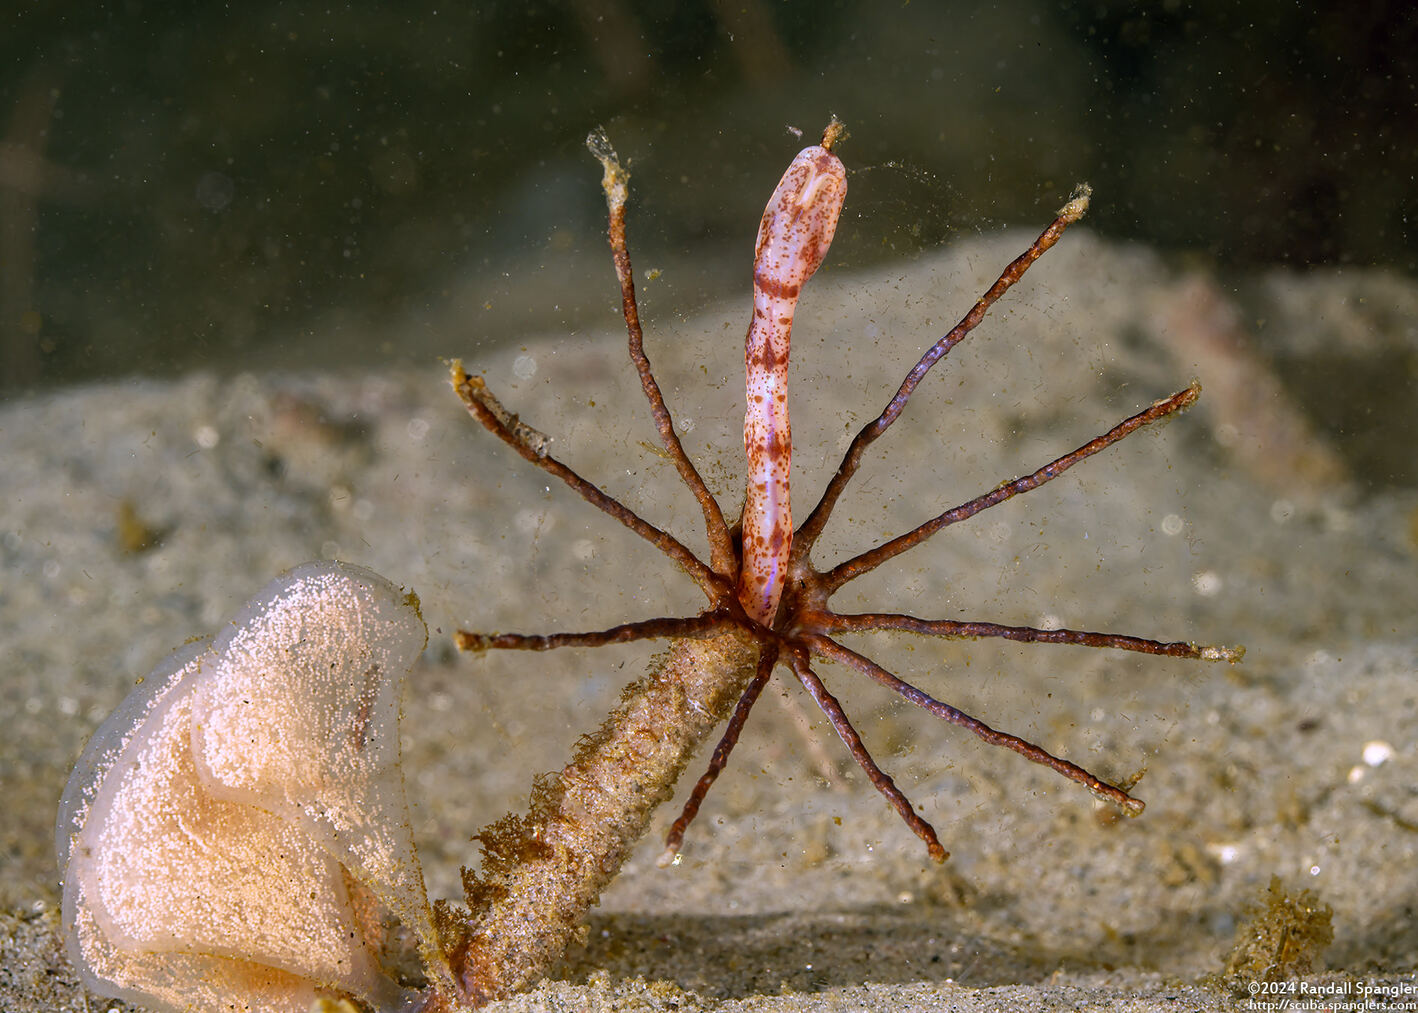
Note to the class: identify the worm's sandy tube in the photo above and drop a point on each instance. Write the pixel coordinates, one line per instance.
(797, 228)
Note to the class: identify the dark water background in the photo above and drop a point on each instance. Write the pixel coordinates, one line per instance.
(295, 184)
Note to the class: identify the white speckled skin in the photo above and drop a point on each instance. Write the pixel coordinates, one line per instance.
(797, 229)
(224, 830)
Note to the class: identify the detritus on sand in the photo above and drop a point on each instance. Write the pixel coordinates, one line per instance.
(794, 882)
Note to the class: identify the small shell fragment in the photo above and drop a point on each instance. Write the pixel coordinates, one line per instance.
(1377, 752)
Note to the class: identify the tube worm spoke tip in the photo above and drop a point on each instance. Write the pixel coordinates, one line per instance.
(474, 643)
(1128, 806)
(1217, 652)
(1077, 205)
(834, 132)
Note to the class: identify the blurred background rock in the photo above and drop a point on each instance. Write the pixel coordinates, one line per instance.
(294, 184)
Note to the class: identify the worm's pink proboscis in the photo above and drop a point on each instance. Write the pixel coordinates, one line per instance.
(797, 228)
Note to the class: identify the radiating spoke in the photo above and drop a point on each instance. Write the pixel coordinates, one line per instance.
(767, 660)
(878, 777)
(871, 559)
(615, 185)
(701, 625)
(863, 622)
(825, 647)
(811, 529)
(531, 445)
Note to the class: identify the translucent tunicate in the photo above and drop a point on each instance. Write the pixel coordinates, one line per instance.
(233, 833)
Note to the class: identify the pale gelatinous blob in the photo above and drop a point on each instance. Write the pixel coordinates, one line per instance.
(248, 892)
(319, 746)
(797, 228)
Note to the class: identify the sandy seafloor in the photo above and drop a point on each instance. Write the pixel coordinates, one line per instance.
(799, 888)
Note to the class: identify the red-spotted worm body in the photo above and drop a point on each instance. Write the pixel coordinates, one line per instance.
(797, 228)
